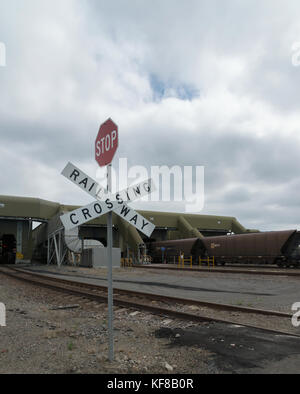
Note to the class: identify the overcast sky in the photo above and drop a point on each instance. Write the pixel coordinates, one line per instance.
(203, 83)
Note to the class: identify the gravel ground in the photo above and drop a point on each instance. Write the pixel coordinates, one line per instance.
(38, 339)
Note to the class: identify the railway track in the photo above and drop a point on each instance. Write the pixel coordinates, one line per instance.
(157, 304)
(252, 271)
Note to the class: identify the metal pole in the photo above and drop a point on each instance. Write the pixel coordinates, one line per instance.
(59, 248)
(48, 251)
(109, 274)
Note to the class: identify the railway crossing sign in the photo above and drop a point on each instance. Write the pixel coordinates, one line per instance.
(106, 202)
(106, 145)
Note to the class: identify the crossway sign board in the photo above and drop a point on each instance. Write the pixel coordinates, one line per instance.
(82, 180)
(98, 208)
(104, 204)
(90, 186)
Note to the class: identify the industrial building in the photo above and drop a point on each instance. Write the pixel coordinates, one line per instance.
(49, 242)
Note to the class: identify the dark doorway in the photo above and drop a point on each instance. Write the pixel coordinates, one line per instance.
(8, 249)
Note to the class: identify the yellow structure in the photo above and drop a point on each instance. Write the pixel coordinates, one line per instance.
(18, 213)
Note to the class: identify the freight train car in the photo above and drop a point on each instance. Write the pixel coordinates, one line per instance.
(272, 247)
(168, 251)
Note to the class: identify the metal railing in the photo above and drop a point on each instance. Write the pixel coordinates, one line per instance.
(126, 262)
(182, 260)
(207, 260)
(129, 261)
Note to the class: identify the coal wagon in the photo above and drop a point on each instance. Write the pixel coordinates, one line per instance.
(271, 247)
(169, 251)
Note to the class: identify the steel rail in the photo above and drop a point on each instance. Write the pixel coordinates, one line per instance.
(159, 297)
(71, 287)
(219, 270)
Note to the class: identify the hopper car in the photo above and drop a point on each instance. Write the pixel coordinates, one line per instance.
(281, 248)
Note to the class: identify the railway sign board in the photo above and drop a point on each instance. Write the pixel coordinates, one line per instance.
(106, 202)
(106, 143)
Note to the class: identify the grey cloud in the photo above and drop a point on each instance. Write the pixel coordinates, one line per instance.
(262, 164)
(97, 60)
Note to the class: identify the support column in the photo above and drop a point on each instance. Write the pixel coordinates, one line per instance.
(19, 242)
(48, 251)
(186, 230)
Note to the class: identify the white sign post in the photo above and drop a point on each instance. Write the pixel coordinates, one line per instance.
(110, 284)
(106, 145)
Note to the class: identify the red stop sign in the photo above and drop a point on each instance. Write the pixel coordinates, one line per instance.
(106, 143)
